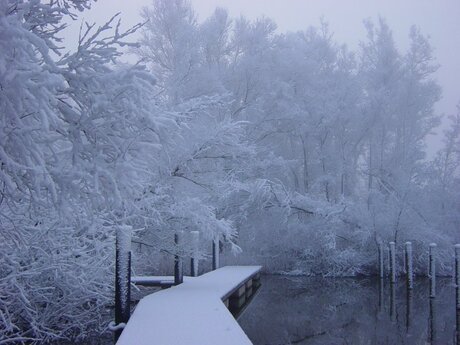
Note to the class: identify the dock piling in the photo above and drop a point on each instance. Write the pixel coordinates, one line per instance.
(432, 322)
(392, 262)
(409, 303)
(194, 258)
(122, 276)
(457, 275)
(409, 265)
(432, 270)
(457, 291)
(215, 253)
(178, 265)
(393, 302)
(381, 263)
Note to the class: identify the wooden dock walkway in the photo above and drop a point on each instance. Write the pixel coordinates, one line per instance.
(195, 312)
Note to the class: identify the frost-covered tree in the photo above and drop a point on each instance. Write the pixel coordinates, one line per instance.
(79, 141)
(400, 95)
(448, 159)
(289, 146)
(207, 155)
(441, 200)
(337, 138)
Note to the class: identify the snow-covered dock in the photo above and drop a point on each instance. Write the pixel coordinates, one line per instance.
(194, 312)
(163, 281)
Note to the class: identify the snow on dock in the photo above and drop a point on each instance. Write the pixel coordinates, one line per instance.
(194, 312)
(153, 280)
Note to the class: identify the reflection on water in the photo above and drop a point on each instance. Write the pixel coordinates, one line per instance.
(302, 310)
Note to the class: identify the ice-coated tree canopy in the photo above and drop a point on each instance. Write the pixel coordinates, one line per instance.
(294, 151)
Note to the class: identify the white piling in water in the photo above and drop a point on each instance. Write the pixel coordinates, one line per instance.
(381, 262)
(392, 262)
(432, 270)
(215, 253)
(194, 259)
(409, 267)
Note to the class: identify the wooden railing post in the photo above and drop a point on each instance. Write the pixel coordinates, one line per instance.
(215, 253)
(122, 276)
(178, 265)
(194, 258)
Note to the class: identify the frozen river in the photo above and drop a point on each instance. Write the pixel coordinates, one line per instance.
(326, 311)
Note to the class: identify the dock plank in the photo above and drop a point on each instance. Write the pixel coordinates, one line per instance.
(153, 280)
(192, 313)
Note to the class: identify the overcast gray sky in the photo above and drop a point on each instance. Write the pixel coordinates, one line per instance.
(440, 19)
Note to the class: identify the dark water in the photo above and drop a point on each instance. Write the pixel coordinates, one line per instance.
(326, 311)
